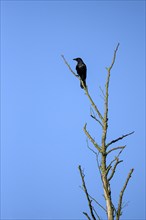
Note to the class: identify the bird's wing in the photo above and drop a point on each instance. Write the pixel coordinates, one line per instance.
(81, 70)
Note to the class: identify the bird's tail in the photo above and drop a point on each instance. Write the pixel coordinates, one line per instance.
(84, 81)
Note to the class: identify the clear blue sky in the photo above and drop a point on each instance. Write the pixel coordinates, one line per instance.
(43, 108)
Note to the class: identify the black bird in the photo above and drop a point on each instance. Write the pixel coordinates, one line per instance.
(81, 70)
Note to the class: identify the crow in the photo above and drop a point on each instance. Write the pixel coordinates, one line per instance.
(81, 70)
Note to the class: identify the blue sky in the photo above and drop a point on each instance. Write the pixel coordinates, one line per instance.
(43, 109)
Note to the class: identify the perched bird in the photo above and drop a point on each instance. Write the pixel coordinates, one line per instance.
(81, 70)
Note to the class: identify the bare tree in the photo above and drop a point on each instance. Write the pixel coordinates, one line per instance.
(106, 169)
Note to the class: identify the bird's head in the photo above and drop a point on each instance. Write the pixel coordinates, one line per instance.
(78, 59)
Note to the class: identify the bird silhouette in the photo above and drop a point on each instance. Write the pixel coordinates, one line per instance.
(81, 70)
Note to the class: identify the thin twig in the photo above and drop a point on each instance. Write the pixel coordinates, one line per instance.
(93, 104)
(119, 138)
(86, 192)
(98, 203)
(99, 167)
(87, 215)
(102, 92)
(116, 148)
(124, 205)
(110, 165)
(69, 66)
(91, 148)
(121, 195)
(113, 61)
(92, 114)
(95, 200)
(96, 120)
(96, 214)
(99, 170)
(114, 168)
(91, 139)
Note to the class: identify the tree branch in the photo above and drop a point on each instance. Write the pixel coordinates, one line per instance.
(114, 168)
(110, 165)
(95, 200)
(93, 104)
(86, 192)
(91, 139)
(119, 138)
(114, 58)
(102, 92)
(116, 148)
(87, 215)
(69, 66)
(96, 119)
(92, 114)
(96, 214)
(98, 204)
(119, 213)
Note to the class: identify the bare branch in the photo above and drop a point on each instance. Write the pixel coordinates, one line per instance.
(87, 215)
(125, 205)
(121, 195)
(96, 214)
(69, 66)
(114, 168)
(92, 150)
(86, 192)
(119, 138)
(94, 200)
(91, 139)
(93, 104)
(110, 165)
(119, 153)
(102, 92)
(98, 165)
(92, 114)
(96, 120)
(114, 58)
(98, 203)
(116, 148)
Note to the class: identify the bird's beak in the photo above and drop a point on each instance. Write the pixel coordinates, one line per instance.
(75, 59)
